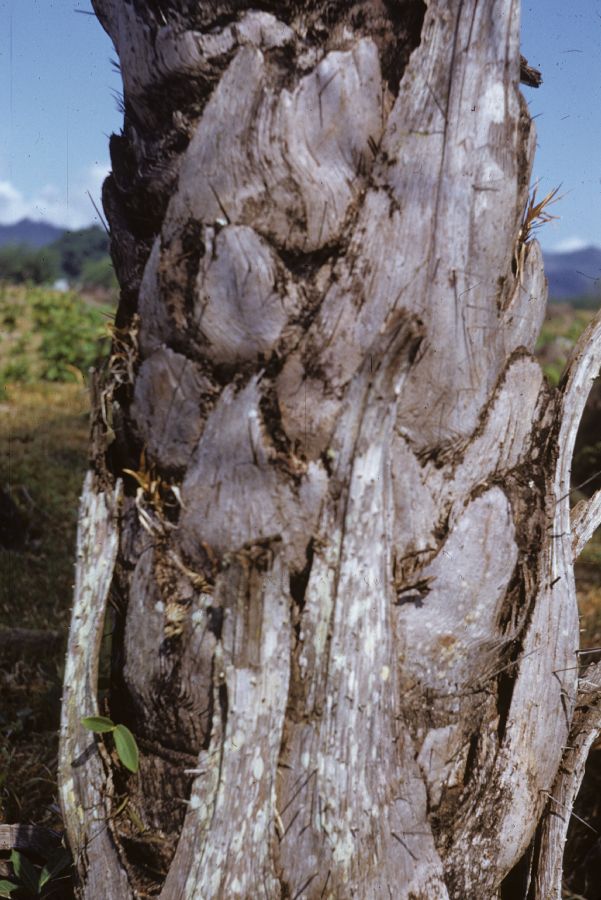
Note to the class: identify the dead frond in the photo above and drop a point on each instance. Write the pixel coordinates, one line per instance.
(535, 215)
(121, 367)
(124, 352)
(153, 492)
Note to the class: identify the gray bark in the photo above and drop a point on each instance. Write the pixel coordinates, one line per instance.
(344, 615)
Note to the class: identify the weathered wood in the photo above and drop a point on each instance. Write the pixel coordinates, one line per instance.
(529, 75)
(242, 756)
(84, 797)
(585, 729)
(574, 530)
(31, 838)
(345, 615)
(585, 519)
(583, 369)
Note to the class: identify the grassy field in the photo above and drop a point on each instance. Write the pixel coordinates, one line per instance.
(43, 445)
(43, 441)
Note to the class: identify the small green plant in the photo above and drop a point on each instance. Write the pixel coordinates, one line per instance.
(125, 742)
(34, 881)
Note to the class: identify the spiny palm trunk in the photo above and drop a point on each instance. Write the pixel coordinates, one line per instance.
(343, 608)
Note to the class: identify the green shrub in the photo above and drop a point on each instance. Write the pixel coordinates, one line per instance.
(75, 248)
(9, 313)
(99, 273)
(17, 369)
(20, 264)
(73, 334)
(50, 335)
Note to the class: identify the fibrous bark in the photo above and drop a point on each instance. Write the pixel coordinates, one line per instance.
(344, 616)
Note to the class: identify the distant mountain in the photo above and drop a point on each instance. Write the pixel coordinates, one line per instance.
(34, 234)
(574, 274)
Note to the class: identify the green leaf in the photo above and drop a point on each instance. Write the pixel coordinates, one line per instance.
(7, 888)
(57, 863)
(25, 871)
(98, 724)
(127, 749)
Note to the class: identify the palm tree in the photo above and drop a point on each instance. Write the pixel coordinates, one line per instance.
(327, 512)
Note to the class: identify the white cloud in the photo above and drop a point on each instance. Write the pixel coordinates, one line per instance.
(570, 244)
(51, 204)
(12, 205)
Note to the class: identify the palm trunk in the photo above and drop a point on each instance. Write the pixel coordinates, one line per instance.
(341, 578)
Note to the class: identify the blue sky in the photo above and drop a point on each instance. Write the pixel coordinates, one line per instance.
(57, 106)
(56, 110)
(563, 39)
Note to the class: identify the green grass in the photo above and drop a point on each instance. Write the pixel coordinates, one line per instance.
(561, 329)
(563, 322)
(43, 454)
(43, 448)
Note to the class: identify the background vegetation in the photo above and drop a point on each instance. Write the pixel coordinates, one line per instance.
(50, 336)
(80, 257)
